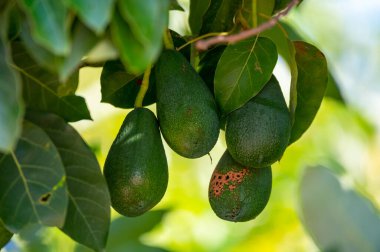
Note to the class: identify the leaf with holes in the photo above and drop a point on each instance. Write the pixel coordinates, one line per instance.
(120, 88)
(95, 14)
(336, 218)
(32, 182)
(88, 214)
(220, 16)
(43, 91)
(310, 88)
(50, 20)
(242, 71)
(11, 106)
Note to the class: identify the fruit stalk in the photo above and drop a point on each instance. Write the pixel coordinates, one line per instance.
(143, 88)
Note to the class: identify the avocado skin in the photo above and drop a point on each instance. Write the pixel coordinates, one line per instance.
(136, 168)
(186, 109)
(258, 133)
(238, 193)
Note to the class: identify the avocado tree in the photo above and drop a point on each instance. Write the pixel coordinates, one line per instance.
(219, 76)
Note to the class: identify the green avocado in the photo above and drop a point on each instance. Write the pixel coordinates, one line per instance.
(238, 193)
(136, 169)
(258, 133)
(186, 108)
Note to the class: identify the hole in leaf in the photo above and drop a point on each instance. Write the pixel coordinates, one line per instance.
(45, 198)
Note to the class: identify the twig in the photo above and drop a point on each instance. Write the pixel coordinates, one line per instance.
(206, 43)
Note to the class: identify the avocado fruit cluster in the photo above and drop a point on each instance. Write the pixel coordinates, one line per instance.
(257, 134)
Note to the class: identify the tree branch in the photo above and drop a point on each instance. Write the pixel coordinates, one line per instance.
(203, 45)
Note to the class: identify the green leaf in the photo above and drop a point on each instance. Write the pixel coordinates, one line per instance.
(11, 106)
(220, 16)
(242, 71)
(134, 55)
(32, 182)
(337, 219)
(120, 88)
(197, 10)
(311, 87)
(286, 49)
(147, 21)
(333, 90)
(174, 5)
(50, 23)
(95, 14)
(207, 65)
(5, 235)
(43, 90)
(263, 9)
(88, 215)
(83, 41)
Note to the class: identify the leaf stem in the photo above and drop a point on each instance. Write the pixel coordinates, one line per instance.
(254, 13)
(168, 41)
(143, 88)
(202, 37)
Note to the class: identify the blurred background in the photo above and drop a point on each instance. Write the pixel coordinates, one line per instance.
(326, 188)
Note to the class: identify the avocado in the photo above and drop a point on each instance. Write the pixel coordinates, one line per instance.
(186, 109)
(258, 133)
(239, 193)
(136, 169)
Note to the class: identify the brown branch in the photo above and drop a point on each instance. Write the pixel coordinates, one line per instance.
(204, 44)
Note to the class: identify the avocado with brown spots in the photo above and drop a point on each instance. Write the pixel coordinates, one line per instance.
(136, 168)
(186, 108)
(238, 193)
(258, 133)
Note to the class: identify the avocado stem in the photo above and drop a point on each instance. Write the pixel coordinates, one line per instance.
(168, 41)
(143, 88)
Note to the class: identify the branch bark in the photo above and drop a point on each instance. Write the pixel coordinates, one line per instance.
(204, 44)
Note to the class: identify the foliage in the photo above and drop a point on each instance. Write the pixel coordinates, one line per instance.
(50, 177)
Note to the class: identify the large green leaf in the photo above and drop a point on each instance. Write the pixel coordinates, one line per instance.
(120, 88)
(11, 106)
(50, 23)
(5, 235)
(311, 86)
(337, 219)
(197, 10)
(219, 17)
(95, 14)
(134, 55)
(32, 182)
(43, 90)
(242, 71)
(88, 214)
